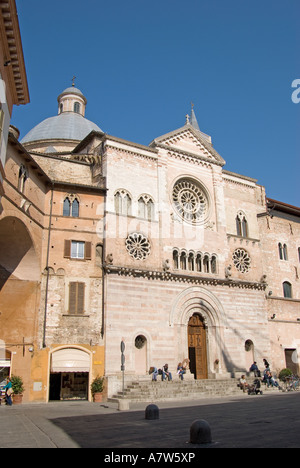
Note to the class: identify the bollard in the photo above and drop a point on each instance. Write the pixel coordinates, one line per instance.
(123, 405)
(152, 412)
(200, 432)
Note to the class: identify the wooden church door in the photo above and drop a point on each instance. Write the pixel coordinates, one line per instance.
(197, 347)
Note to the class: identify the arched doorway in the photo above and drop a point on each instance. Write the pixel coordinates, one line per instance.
(140, 355)
(197, 347)
(249, 354)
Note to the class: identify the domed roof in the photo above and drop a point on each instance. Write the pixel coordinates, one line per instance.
(71, 90)
(69, 124)
(65, 126)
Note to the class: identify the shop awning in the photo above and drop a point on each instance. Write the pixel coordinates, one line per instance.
(4, 362)
(70, 360)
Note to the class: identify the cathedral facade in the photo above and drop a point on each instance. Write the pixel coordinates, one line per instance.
(158, 246)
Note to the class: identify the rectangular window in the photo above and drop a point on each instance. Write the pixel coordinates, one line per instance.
(76, 298)
(78, 250)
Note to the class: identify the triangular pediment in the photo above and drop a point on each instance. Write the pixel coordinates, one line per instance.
(190, 141)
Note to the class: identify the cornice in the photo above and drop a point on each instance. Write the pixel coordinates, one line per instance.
(190, 157)
(13, 52)
(132, 149)
(155, 275)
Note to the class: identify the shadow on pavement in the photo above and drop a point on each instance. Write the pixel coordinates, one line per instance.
(257, 422)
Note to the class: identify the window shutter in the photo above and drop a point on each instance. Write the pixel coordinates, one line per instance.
(80, 298)
(76, 298)
(67, 250)
(72, 298)
(88, 251)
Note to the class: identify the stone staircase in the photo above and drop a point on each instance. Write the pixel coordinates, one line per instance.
(148, 391)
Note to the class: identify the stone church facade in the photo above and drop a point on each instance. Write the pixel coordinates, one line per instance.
(158, 246)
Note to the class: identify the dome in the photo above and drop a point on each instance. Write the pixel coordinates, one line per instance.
(71, 90)
(69, 124)
(65, 126)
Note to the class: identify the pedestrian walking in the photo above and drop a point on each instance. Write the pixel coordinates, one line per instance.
(8, 391)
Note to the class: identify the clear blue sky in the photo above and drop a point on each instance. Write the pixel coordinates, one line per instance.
(141, 63)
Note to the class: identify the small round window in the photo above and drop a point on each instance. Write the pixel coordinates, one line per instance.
(140, 342)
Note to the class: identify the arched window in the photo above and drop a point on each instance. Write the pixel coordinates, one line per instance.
(146, 207)
(67, 207)
(191, 262)
(283, 253)
(23, 176)
(242, 225)
(122, 202)
(287, 289)
(77, 107)
(175, 259)
(71, 206)
(183, 261)
(199, 262)
(213, 264)
(206, 263)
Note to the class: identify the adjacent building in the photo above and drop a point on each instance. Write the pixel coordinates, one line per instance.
(51, 235)
(13, 80)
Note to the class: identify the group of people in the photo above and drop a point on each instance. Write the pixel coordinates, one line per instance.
(8, 392)
(166, 374)
(267, 378)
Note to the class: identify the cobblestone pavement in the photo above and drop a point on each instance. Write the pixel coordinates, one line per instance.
(268, 421)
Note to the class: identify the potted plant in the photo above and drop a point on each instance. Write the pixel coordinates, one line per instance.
(97, 389)
(284, 374)
(17, 388)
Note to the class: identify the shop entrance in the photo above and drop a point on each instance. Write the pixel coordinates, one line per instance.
(69, 386)
(5, 363)
(197, 347)
(69, 375)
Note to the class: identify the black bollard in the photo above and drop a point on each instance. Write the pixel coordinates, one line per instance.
(200, 432)
(152, 412)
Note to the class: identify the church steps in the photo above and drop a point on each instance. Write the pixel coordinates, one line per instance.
(177, 390)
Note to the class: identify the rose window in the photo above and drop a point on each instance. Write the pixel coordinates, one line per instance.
(138, 246)
(190, 201)
(241, 260)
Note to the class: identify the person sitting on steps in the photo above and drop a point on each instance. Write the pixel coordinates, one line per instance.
(180, 371)
(154, 372)
(166, 374)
